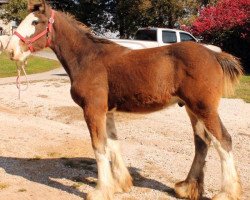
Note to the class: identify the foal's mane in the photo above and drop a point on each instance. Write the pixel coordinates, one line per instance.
(84, 29)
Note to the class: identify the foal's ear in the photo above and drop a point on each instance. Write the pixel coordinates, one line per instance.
(36, 5)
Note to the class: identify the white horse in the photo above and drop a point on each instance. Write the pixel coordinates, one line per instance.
(4, 40)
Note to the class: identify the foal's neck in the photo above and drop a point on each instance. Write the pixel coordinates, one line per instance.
(75, 47)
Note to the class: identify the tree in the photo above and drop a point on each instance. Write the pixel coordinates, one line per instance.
(125, 16)
(166, 13)
(15, 10)
(207, 2)
(90, 12)
(226, 15)
(226, 24)
(63, 5)
(128, 15)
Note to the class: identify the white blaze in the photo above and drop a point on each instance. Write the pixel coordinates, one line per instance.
(26, 29)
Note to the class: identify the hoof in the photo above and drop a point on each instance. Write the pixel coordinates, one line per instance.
(232, 192)
(99, 195)
(231, 195)
(124, 185)
(223, 196)
(188, 190)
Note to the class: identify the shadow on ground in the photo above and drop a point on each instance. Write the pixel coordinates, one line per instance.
(79, 170)
(61, 74)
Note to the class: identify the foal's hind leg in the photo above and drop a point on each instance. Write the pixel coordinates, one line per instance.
(192, 187)
(231, 187)
(122, 178)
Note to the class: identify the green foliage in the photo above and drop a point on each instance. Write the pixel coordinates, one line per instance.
(126, 16)
(63, 5)
(90, 12)
(234, 42)
(226, 24)
(166, 13)
(129, 15)
(243, 89)
(15, 10)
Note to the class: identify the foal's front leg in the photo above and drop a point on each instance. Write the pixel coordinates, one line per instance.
(95, 116)
(122, 178)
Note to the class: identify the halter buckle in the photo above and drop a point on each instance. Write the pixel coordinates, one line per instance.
(51, 20)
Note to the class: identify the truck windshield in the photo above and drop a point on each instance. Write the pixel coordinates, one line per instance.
(149, 35)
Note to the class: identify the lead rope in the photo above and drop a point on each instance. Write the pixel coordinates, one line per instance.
(20, 69)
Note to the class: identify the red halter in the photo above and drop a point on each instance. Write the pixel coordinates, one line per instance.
(46, 32)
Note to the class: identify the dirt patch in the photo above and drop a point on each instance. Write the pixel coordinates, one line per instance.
(67, 149)
(68, 114)
(43, 96)
(7, 110)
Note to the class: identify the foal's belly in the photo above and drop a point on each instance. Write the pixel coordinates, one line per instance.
(144, 105)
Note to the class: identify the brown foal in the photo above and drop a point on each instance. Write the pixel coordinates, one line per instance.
(105, 76)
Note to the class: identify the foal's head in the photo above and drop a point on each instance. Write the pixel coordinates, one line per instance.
(33, 33)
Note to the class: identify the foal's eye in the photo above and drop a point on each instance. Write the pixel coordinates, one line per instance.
(35, 22)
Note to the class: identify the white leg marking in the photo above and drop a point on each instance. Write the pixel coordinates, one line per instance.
(123, 180)
(118, 166)
(200, 131)
(227, 165)
(104, 170)
(105, 187)
(230, 180)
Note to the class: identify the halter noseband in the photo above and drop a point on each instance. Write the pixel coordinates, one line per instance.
(46, 32)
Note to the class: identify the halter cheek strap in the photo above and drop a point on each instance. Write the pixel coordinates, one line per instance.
(46, 32)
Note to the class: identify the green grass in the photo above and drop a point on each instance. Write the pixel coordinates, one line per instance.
(35, 65)
(243, 89)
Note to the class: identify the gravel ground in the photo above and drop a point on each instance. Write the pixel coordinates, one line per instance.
(45, 150)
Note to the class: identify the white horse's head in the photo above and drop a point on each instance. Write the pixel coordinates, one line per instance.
(32, 34)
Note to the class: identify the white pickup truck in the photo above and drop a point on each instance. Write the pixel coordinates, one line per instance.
(157, 37)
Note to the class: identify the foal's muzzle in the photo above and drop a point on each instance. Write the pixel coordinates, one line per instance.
(17, 54)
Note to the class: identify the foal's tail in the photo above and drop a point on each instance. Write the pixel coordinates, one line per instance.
(232, 71)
